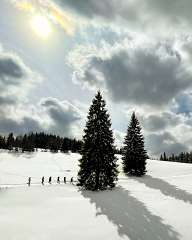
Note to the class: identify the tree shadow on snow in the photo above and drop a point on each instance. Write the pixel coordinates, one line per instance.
(165, 187)
(130, 216)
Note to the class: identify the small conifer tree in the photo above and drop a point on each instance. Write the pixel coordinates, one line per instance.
(134, 154)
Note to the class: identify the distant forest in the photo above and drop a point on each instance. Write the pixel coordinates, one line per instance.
(183, 157)
(31, 141)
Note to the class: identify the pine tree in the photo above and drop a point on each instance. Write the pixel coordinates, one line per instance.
(54, 147)
(172, 157)
(134, 154)
(2, 142)
(182, 156)
(10, 141)
(98, 168)
(27, 144)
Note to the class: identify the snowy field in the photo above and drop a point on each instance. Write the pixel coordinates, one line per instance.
(157, 206)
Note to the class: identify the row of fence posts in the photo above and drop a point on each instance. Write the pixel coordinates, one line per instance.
(50, 180)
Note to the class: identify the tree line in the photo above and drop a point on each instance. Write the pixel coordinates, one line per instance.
(183, 157)
(31, 141)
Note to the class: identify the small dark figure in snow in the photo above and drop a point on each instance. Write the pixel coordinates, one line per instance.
(43, 180)
(58, 180)
(29, 181)
(65, 180)
(71, 180)
(49, 180)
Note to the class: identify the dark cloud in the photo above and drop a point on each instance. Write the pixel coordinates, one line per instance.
(154, 123)
(165, 142)
(15, 78)
(52, 116)
(10, 70)
(4, 101)
(138, 13)
(64, 116)
(175, 11)
(106, 9)
(25, 125)
(147, 76)
(160, 122)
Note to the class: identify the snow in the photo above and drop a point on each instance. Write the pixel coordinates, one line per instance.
(157, 206)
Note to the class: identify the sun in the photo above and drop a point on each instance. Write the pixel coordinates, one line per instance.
(41, 26)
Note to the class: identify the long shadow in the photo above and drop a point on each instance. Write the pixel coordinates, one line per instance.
(130, 216)
(166, 188)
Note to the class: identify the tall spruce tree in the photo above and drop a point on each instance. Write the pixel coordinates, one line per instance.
(98, 167)
(134, 153)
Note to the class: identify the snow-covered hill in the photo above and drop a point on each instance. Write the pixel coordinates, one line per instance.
(157, 206)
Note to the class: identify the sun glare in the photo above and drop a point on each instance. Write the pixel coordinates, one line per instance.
(41, 26)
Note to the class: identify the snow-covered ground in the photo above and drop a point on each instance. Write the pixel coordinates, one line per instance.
(157, 206)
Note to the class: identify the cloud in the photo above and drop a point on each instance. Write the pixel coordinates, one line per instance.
(165, 142)
(25, 125)
(147, 75)
(16, 79)
(6, 101)
(19, 116)
(142, 15)
(65, 117)
(105, 9)
(174, 11)
(156, 122)
(9, 70)
(50, 115)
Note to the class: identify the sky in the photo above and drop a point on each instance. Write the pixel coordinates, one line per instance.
(55, 55)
